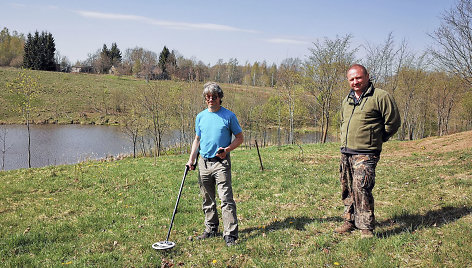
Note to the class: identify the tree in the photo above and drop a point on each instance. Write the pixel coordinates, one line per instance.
(133, 125)
(408, 96)
(163, 62)
(326, 72)
(3, 144)
(24, 89)
(154, 107)
(103, 59)
(466, 104)
(233, 73)
(446, 91)
(217, 71)
(114, 55)
(11, 48)
(171, 64)
(63, 61)
(454, 40)
(39, 52)
(104, 62)
(287, 82)
(384, 62)
(141, 62)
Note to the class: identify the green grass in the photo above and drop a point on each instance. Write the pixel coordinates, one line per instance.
(107, 214)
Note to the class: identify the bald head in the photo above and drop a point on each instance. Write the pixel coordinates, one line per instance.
(358, 78)
(358, 67)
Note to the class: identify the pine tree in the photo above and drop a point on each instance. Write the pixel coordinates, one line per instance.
(39, 52)
(104, 63)
(49, 52)
(115, 55)
(162, 62)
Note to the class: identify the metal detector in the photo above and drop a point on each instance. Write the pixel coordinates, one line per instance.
(162, 245)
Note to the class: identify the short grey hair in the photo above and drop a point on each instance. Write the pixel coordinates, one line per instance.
(212, 88)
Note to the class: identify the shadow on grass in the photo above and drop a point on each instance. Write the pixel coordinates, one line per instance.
(297, 223)
(412, 222)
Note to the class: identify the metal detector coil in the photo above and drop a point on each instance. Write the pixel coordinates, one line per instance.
(163, 245)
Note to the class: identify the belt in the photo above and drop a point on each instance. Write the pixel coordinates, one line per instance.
(213, 159)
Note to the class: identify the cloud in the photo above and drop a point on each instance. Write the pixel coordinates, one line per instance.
(286, 41)
(162, 23)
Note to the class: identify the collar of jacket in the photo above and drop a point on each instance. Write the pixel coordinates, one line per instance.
(352, 95)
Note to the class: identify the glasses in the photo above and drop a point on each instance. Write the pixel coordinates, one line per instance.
(209, 97)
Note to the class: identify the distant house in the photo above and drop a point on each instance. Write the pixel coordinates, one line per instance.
(113, 70)
(81, 69)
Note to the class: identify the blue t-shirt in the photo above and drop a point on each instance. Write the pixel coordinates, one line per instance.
(215, 130)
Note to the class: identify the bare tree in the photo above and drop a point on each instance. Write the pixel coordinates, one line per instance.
(446, 90)
(24, 89)
(454, 40)
(325, 70)
(153, 103)
(133, 126)
(410, 77)
(287, 82)
(140, 61)
(384, 61)
(3, 140)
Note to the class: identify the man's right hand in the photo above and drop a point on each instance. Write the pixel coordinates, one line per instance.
(190, 165)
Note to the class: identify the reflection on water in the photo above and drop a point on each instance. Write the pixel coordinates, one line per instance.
(69, 144)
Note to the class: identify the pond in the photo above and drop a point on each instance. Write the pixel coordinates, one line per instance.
(70, 144)
(60, 144)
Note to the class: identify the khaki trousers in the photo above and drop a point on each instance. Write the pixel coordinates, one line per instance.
(217, 174)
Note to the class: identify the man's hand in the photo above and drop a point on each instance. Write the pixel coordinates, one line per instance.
(190, 165)
(221, 153)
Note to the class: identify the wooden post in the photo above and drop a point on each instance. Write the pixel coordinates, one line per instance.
(259, 154)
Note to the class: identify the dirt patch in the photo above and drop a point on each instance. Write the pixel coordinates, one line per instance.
(449, 143)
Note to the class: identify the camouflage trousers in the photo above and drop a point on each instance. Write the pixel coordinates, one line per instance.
(357, 181)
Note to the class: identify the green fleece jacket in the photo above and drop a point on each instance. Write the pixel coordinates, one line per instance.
(368, 122)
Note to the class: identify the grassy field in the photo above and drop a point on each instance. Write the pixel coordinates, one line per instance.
(108, 214)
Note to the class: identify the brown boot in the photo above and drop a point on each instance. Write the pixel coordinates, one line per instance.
(347, 227)
(366, 233)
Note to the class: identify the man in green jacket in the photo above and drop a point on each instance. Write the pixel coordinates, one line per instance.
(369, 118)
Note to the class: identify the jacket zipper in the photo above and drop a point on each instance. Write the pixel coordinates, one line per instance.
(349, 122)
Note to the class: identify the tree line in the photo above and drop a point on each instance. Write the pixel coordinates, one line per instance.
(431, 88)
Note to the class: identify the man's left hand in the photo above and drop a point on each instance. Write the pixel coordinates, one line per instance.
(221, 153)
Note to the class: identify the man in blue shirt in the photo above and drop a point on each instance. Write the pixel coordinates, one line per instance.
(214, 129)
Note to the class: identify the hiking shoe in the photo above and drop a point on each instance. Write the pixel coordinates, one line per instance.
(230, 240)
(347, 227)
(206, 235)
(367, 233)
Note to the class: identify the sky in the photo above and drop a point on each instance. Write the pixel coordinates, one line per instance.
(248, 30)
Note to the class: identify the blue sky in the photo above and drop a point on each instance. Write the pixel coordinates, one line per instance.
(211, 30)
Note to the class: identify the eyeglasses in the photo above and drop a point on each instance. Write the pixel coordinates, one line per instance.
(209, 97)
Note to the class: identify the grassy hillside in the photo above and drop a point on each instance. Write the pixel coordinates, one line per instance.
(67, 98)
(107, 214)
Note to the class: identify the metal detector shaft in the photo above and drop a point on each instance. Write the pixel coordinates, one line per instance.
(177, 202)
(178, 197)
